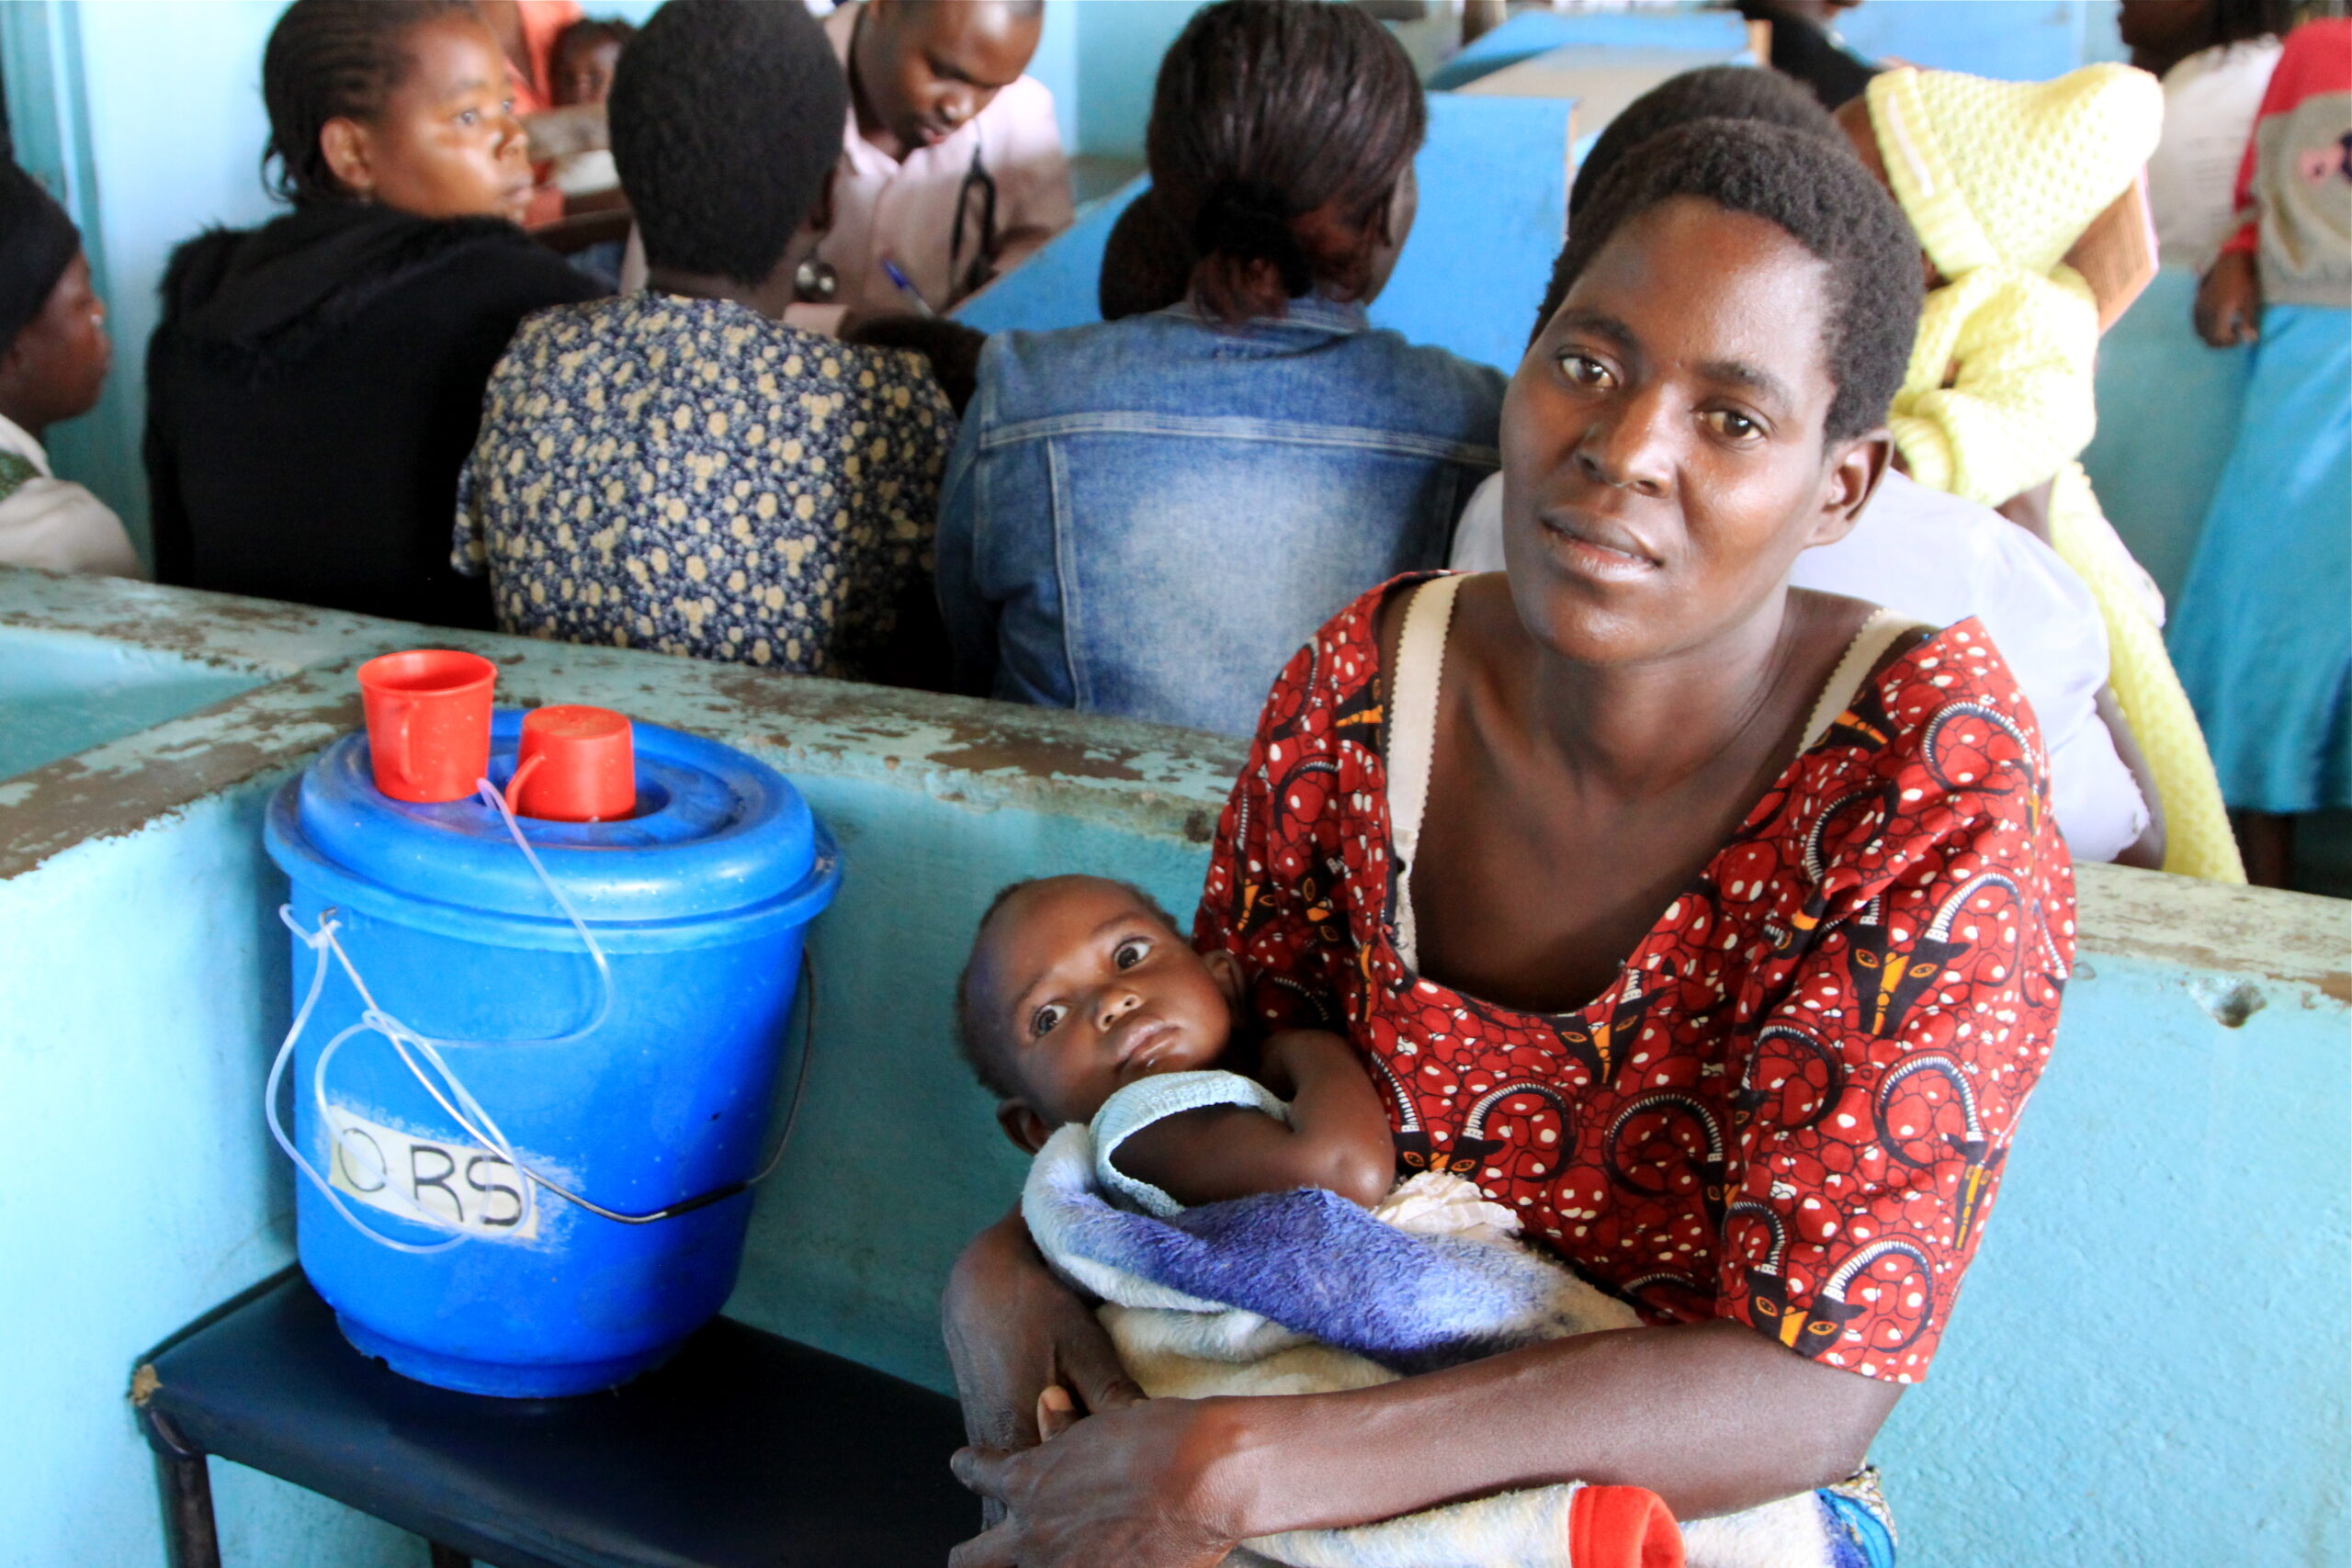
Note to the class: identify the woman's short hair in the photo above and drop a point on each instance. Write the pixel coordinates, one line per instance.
(1713, 92)
(1279, 130)
(726, 118)
(1818, 193)
(333, 60)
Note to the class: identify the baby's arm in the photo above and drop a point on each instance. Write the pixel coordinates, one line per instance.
(1337, 1137)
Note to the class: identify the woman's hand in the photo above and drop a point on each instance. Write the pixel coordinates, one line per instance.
(1013, 1331)
(2229, 301)
(1135, 1487)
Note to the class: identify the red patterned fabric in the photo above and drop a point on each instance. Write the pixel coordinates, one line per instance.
(1792, 1106)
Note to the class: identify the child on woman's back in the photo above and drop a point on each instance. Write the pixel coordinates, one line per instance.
(1999, 180)
(1083, 1003)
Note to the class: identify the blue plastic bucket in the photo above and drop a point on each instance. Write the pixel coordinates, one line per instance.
(495, 1035)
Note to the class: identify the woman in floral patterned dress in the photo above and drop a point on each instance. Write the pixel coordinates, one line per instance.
(1770, 1117)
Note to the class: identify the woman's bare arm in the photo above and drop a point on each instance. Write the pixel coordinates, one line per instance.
(1713, 1417)
(1338, 1136)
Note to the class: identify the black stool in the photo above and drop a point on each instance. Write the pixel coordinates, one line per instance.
(746, 1450)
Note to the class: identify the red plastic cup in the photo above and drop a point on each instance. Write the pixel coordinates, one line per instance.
(575, 764)
(428, 722)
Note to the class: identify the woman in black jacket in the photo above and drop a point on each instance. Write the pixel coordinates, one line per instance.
(315, 384)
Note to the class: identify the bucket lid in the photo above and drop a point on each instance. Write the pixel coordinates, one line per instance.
(714, 832)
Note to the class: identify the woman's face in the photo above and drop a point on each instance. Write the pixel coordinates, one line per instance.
(57, 368)
(1663, 455)
(448, 143)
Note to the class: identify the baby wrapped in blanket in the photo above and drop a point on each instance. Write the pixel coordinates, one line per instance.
(1243, 1243)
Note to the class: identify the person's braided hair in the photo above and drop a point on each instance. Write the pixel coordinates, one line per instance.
(332, 60)
(1279, 130)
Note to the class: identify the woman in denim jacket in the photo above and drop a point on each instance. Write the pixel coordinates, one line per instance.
(1149, 516)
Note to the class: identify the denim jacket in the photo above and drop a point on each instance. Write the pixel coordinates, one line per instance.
(1149, 516)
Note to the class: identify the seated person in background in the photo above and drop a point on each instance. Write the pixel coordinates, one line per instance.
(1923, 552)
(2215, 57)
(1146, 517)
(678, 469)
(53, 369)
(1082, 1002)
(2263, 643)
(1805, 46)
(315, 384)
(952, 165)
(581, 64)
(1998, 180)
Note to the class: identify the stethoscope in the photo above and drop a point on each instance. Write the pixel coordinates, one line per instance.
(977, 178)
(816, 282)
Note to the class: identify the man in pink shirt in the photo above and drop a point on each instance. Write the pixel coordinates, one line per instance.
(952, 168)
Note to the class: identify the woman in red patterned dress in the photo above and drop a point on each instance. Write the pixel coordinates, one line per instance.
(1773, 1117)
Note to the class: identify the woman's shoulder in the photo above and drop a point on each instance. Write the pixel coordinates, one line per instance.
(1030, 374)
(1938, 745)
(1926, 678)
(499, 257)
(1331, 687)
(1389, 382)
(1430, 371)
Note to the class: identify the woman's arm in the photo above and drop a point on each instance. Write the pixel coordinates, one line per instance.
(1013, 1331)
(1713, 1417)
(1337, 1137)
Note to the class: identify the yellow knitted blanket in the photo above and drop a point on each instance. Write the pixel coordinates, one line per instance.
(1998, 398)
(2197, 841)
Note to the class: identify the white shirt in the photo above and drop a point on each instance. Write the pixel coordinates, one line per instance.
(1941, 560)
(56, 524)
(904, 210)
(2210, 101)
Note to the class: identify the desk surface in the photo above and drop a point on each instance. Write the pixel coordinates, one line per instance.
(1599, 81)
(746, 1450)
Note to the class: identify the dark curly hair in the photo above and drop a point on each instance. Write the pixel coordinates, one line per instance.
(589, 31)
(725, 117)
(1713, 92)
(984, 1049)
(333, 60)
(1279, 130)
(1818, 193)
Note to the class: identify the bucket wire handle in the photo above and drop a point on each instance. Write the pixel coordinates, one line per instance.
(458, 1103)
(321, 942)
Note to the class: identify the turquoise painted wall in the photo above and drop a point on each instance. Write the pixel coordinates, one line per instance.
(2019, 40)
(2149, 1364)
(2167, 416)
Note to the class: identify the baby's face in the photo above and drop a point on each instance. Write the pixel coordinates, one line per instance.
(1089, 991)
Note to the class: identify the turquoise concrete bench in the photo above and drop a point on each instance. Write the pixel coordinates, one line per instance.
(2149, 1364)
